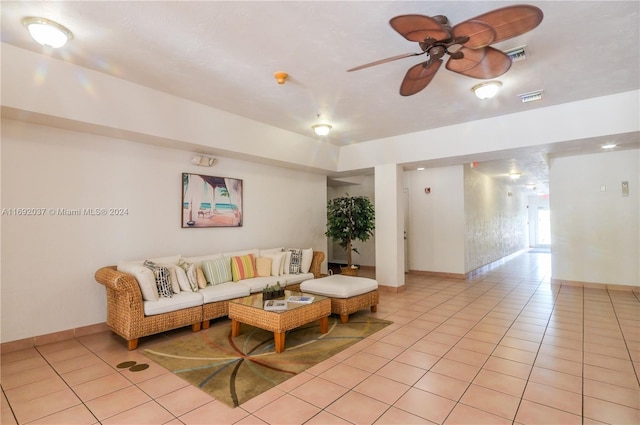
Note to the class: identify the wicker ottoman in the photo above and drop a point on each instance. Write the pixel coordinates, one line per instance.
(348, 294)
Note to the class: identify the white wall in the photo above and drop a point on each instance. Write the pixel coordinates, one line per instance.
(436, 220)
(367, 256)
(495, 219)
(48, 262)
(595, 234)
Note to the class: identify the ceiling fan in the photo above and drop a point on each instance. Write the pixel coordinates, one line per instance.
(467, 44)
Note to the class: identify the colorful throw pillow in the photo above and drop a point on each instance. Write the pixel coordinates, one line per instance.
(190, 271)
(243, 267)
(263, 266)
(217, 271)
(162, 278)
(202, 281)
(295, 261)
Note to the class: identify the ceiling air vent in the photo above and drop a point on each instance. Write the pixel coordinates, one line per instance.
(531, 96)
(516, 54)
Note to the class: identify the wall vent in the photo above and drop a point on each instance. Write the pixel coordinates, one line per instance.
(516, 54)
(531, 96)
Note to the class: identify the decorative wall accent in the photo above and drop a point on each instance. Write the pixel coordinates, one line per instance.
(209, 201)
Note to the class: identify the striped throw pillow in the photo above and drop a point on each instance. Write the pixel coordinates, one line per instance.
(243, 267)
(217, 271)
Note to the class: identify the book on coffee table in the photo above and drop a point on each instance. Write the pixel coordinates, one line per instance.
(304, 299)
(275, 305)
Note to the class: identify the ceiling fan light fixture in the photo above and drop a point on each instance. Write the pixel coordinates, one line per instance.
(47, 32)
(321, 129)
(486, 90)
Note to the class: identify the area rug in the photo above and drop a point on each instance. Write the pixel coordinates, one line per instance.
(234, 370)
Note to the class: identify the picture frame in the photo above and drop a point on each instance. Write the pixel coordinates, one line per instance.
(211, 201)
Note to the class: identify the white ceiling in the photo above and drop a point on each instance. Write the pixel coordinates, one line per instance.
(224, 54)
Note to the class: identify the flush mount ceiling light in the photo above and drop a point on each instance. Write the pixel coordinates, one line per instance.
(486, 90)
(47, 32)
(609, 146)
(515, 176)
(321, 129)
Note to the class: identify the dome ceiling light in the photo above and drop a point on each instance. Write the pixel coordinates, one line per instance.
(47, 32)
(321, 129)
(486, 90)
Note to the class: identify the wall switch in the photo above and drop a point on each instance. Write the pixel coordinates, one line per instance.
(625, 188)
(603, 188)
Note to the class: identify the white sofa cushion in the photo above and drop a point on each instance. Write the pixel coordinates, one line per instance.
(198, 259)
(179, 301)
(257, 284)
(307, 259)
(339, 286)
(271, 251)
(144, 276)
(224, 291)
(277, 258)
(291, 279)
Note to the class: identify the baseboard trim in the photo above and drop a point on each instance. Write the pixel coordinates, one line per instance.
(444, 275)
(35, 341)
(592, 285)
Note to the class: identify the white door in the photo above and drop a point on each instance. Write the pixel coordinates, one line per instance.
(543, 228)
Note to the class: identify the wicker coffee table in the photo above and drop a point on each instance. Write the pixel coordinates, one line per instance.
(250, 310)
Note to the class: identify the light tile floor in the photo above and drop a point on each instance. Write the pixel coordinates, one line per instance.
(502, 347)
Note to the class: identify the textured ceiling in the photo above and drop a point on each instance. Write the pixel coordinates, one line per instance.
(224, 54)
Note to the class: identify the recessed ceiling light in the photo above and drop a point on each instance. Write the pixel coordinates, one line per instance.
(420, 168)
(486, 90)
(47, 32)
(609, 146)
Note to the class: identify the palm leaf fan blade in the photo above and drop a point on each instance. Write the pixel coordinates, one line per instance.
(418, 77)
(511, 21)
(482, 63)
(418, 27)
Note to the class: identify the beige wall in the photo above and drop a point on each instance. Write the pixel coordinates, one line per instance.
(48, 261)
(595, 234)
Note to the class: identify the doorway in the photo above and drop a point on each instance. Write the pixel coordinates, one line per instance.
(543, 228)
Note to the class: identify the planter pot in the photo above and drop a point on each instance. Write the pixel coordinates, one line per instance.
(272, 295)
(349, 271)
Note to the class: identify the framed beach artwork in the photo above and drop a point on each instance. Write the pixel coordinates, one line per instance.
(209, 201)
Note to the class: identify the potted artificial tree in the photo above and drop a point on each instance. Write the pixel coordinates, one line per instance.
(350, 218)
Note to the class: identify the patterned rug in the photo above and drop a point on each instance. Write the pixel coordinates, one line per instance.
(234, 370)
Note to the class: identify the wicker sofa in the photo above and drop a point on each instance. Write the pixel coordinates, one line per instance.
(132, 317)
